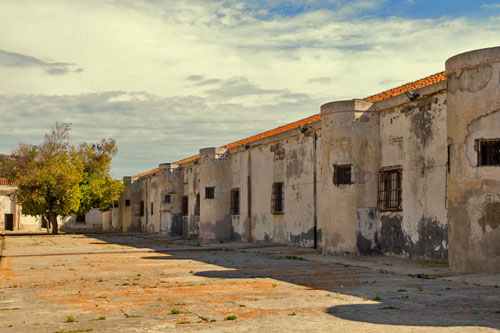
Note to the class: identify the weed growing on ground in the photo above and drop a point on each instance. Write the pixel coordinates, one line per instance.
(100, 318)
(389, 307)
(175, 311)
(377, 298)
(401, 290)
(191, 272)
(231, 317)
(294, 258)
(183, 322)
(420, 288)
(8, 309)
(76, 331)
(125, 284)
(274, 285)
(70, 319)
(292, 314)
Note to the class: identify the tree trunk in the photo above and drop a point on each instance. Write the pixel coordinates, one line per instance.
(53, 222)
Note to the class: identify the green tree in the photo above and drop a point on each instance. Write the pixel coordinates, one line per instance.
(59, 179)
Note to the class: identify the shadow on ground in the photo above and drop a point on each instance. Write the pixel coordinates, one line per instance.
(400, 300)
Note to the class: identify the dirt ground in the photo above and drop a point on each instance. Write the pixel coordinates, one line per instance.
(140, 283)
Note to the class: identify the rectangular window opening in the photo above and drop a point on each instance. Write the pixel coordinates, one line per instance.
(342, 174)
(185, 205)
(166, 198)
(488, 152)
(390, 189)
(80, 218)
(127, 202)
(197, 205)
(209, 192)
(151, 208)
(115, 204)
(277, 198)
(141, 211)
(235, 201)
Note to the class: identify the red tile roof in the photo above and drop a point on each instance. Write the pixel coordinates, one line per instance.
(427, 81)
(5, 181)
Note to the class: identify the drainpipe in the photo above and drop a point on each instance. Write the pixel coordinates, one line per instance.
(315, 197)
(249, 191)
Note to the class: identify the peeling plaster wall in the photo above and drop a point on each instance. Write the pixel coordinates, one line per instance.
(215, 218)
(349, 137)
(287, 158)
(474, 201)
(413, 136)
(171, 183)
(191, 187)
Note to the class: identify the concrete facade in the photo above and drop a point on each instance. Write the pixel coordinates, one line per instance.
(11, 211)
(395, 173)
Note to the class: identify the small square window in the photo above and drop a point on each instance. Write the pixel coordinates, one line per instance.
(277, 198)
(80, 218)
(488, 152)
(342, 174)
(166, 198)
(127, 202)
(209, 192)
(115, 204)
(235, 201)
(390, 189)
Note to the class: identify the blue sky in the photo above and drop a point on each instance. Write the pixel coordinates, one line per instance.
(167, 77)
(415, 9)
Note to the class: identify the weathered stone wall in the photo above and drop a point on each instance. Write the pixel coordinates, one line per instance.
(473, 97)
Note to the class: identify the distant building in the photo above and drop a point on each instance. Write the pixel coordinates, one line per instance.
(413, 171)
(12, 219)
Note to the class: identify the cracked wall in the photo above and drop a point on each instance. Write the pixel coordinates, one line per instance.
(474, 200)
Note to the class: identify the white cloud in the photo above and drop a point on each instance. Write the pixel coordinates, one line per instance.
(158, 71)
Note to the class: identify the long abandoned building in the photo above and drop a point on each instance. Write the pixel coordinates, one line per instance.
(413, 171)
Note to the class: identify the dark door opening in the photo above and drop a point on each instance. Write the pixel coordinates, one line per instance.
(9, 222)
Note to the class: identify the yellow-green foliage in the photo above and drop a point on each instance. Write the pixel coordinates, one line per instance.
(57, 178)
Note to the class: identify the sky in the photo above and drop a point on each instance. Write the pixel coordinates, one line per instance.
(166, 78)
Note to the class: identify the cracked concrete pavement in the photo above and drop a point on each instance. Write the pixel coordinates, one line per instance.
(136, 283)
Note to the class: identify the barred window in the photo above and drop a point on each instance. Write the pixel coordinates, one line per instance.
(277, 198)
(209, 192)
(197, 205)
(389, 189)
(185, 205)
(235, 201)
(342, 174)
(488, 152)
(166, 198)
